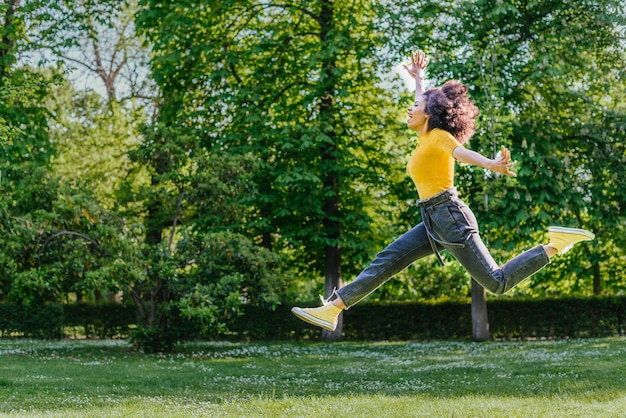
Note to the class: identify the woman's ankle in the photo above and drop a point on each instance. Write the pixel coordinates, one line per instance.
(338, 302)
(550, 250)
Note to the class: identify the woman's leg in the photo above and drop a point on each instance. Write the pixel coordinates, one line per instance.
(409, 247)
(520, 267)
(479, 263)
(454, 222)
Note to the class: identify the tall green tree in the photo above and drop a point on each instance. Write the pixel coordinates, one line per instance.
(544, 75)
(97, 111)
(298, 86)
(25, 146)
(61, 240)
(24, 122)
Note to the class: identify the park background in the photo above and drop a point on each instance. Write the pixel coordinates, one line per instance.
(199, 165)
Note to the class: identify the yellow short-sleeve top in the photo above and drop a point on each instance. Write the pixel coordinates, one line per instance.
(431, 167)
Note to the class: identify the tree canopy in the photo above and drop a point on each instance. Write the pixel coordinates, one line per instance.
(224, 153)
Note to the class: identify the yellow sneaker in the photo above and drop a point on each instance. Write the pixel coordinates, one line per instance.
(325, 316)
(563, 239)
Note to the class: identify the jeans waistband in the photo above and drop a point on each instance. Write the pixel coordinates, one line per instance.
(441, 197)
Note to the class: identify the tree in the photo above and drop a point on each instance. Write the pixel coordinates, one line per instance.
(539, 99)
(95, 39)
(96, 124)
(27, 188)
(24, 136)
(297, 86)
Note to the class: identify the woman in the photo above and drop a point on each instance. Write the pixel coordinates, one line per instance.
(443, 118)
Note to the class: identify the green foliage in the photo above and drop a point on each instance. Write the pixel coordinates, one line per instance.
(35, 321)
(297, 88)
(92, 139)
(509, 319)
(231, 268)
(101, 320)
(61, 240)
(401, 321)
(153, 339)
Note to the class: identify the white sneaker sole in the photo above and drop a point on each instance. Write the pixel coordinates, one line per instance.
(313, 320)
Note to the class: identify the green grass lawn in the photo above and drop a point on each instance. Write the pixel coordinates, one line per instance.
(574, 378)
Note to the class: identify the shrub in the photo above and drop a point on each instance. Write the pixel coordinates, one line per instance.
(42, 321)
(508, 319)
(103, 320)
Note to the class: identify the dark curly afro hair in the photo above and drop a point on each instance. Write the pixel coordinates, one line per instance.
(451, 109)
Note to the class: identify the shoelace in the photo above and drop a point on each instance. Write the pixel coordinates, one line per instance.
(327, 301)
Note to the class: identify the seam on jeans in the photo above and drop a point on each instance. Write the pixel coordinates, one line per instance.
(467, 243)
(458, 205)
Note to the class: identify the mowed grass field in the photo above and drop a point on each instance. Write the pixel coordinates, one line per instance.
(74, 378)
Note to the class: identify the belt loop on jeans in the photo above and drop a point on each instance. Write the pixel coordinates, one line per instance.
(441, 197)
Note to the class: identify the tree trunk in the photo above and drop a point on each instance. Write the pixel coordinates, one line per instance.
(328, 150)
(153, 222)
(7, 45)
(480, 319)
(597, 280)
(333, 281)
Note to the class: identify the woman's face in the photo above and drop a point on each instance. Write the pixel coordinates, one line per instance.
(417, 119)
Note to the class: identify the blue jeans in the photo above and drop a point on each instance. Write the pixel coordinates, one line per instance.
(449, 224)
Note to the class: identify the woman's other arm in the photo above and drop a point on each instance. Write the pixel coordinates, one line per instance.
(501, 164)
(417, 70)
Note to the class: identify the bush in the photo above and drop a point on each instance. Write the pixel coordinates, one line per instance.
(42, 321)
(508, 319)
(557, 318)
(103, 320)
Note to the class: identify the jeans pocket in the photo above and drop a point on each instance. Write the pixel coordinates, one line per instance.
(449, 224)
(463, 217)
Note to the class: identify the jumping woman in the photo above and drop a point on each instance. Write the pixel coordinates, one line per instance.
(443, 119)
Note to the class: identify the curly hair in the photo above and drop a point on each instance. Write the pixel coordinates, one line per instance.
(451, 109)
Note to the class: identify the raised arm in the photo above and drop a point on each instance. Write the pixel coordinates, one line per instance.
(499, 165)
(416, 70)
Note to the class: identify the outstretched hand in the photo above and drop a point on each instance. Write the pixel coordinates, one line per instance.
(503, 163)
(418, 64)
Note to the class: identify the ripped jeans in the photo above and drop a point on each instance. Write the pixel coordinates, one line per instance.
(449, 224)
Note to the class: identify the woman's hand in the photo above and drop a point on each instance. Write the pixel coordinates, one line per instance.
(418, 64)
(503, 163)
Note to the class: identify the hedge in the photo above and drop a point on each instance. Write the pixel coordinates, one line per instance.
(44, 321)
(102, 320)
(508, 319)
(57, 321)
